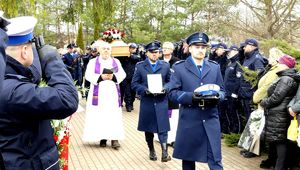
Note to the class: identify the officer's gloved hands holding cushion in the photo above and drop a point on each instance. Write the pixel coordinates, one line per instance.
(207, 95)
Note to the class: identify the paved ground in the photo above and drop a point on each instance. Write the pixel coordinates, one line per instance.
(133, 153)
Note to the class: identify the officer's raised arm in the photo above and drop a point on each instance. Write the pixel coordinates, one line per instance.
(22, 97)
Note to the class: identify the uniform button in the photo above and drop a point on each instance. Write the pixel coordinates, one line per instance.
(190, 105)
(154, 104)
(201, 84)
(203, 121)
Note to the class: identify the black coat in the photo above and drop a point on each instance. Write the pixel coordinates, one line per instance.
(280, 93)
(26, 136)
(3, 38)
(231, 78)
(128, 64)
(221, 60)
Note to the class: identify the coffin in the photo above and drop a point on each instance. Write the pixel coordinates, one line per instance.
(119, 49)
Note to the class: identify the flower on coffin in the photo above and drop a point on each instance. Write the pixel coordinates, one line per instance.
(112, 34)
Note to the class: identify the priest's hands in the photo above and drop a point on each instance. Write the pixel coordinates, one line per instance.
(107, 76)
(103, 77)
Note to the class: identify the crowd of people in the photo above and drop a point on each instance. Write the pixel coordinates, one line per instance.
(200, 92)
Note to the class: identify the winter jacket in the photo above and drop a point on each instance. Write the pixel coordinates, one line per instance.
(280, 93)
(265, 82)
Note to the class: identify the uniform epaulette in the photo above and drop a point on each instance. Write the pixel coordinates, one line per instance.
(212, 61)
(178, 62)
(140, 62)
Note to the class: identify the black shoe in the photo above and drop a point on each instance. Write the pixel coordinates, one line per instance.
(128, 109)
(115, 144)
(266, 164)
(103, 143)
(165, 157)
(248, 155)
(243, 151)
(152, 156)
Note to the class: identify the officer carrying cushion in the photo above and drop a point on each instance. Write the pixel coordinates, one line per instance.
(26, 137)
(198, 135)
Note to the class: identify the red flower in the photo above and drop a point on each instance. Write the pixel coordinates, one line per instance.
(55, 138)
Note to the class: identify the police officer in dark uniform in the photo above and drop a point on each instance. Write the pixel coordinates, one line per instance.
(128, 63)
(68, 59)
(153, 116)
(198, 135)
(219, 55)
(231, 83)
(3, 39)
(253, 61)
(26, 137)
(93, 54)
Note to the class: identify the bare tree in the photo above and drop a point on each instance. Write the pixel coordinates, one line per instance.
(270, 18)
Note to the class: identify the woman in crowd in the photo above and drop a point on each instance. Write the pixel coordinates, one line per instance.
(279, 94)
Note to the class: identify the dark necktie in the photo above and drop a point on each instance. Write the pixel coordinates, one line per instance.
(199, 69)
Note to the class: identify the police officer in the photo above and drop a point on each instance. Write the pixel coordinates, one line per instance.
(3, 39)
(231, 83)
(198, 135)
(93, 54)
(68, 59)
(26, 137)
(128, 63)
(219, 55)
(153, 116)
(253, 61)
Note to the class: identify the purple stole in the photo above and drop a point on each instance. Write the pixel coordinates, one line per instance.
(96, 87)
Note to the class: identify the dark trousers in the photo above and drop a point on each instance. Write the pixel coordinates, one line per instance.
(129, 94)
(188, 165)
(247, 106)
(163, 137)
(281, 148)
(235, 120)
(224, 118)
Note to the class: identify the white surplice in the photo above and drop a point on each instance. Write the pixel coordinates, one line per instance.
(103, 121)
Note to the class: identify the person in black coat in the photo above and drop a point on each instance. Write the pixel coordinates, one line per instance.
(3, 40)
(128, 63)
(280, 93)
(26, 137)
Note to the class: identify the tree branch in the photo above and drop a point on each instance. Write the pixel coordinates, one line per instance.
(253, 9)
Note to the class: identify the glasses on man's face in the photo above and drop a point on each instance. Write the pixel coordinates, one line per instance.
(105, 48)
